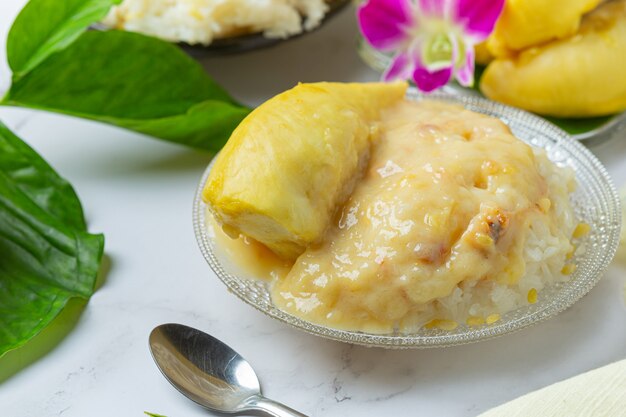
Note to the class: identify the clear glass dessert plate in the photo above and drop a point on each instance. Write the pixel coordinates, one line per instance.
(595, 202)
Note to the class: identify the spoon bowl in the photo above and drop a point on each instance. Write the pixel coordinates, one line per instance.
(210, 373)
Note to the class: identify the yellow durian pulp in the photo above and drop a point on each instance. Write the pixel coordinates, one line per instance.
(482, 54)
(525, 23)
(294, 159)
(581, 76)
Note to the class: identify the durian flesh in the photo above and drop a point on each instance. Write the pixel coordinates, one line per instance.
(581, 76)
(294, 159)
(525, 23)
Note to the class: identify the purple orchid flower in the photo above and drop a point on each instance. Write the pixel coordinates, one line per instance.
(432, 41)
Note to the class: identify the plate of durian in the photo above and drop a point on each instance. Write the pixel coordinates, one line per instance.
(372, 214)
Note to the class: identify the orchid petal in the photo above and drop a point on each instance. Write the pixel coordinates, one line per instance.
(433, 7)
(382, 22)
(401, 68)
(478, 17)
(428, 81)
(465, 74)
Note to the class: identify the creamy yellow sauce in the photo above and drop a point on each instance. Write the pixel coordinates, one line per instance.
(247, 258)
(447, 197)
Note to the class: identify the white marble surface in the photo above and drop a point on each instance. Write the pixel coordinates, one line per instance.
(138, 191)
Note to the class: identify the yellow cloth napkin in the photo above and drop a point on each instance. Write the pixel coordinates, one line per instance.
(598, 393)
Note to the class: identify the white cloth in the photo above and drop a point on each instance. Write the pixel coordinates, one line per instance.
(597, 393)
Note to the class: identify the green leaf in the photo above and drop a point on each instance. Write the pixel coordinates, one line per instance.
(580, 125)
(46, 254)
(47, 26)
(38, 181)
(152, 414)
(133, 81)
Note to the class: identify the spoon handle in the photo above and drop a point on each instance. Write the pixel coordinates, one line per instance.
(271, 408)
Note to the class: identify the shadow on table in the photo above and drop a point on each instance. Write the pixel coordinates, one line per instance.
(327, 54)
(52, 335)
(131, 155)
(151, 162)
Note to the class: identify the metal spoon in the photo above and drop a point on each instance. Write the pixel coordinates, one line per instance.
(210, 373)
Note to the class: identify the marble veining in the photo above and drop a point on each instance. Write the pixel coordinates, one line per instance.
(138, 191)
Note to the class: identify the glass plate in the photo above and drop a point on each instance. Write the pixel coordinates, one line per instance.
(595, 202)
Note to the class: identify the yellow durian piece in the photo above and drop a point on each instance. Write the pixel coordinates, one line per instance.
(525, 23)
(576, 77)
(294, 159)
(482, 54)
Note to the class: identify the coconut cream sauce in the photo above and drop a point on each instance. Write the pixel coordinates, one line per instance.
(447, 197)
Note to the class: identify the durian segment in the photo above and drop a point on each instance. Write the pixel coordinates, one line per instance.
(576, 77)
(525, 23)
(482, 56)
(294, 159)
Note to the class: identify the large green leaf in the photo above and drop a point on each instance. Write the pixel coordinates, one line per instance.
(132, 81)
(46, 26)
(46, 254)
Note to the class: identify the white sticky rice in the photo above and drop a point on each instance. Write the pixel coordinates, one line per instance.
(202, 21)
(545, 254)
